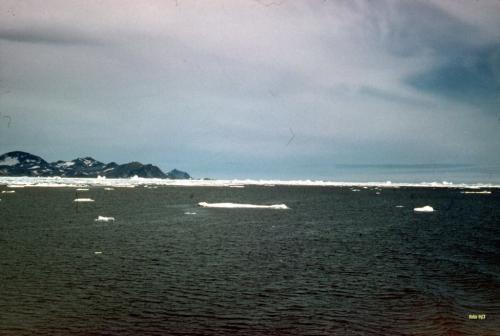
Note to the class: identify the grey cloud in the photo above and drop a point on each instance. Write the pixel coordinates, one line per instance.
(213, 87)
(410, 27)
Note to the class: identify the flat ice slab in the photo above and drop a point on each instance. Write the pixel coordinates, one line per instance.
(83, 200)
(426, 208)
(240, 205)
(104, 219)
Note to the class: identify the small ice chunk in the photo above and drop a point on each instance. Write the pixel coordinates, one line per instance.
(83, 200)
(8, 191)
(109, 189)
(355, 190)
(190, 213)
(240, 205)
(426, 208)
(97, 252)
(104, 219)
(400, 206)
(82, 189)
(484, 192)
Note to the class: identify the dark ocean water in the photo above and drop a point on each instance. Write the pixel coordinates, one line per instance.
(337, 263)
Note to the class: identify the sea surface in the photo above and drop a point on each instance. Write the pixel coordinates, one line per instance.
(338, 262)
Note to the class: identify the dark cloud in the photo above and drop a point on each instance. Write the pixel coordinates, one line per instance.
(58, 35)
(470, 77)
(393, 98)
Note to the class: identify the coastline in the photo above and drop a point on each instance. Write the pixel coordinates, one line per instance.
(69, 182)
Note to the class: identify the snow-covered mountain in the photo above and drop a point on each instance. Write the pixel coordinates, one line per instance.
(19, 163)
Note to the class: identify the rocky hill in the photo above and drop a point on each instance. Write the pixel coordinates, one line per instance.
(19, 163)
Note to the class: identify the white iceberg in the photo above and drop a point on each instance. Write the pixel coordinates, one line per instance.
(104, 219)
(97, 252)
(83, 200)
(82, 189)
(109, 189)
(240, 205)
(8, 191)
(426, 208)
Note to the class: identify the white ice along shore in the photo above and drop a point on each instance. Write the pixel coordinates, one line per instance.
(85, 182)
(240, 205)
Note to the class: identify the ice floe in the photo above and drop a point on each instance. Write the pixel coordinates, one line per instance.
(104, 219)
(8, 191)
(82, 189)
(109, 189)
(426, 208)
(485, 192)
(97, 252)
(241, 205)
(83, 200)
(190, 213)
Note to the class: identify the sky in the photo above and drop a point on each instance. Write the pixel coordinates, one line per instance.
(254, 88)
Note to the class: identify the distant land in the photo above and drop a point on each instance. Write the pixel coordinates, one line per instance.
(19, 163)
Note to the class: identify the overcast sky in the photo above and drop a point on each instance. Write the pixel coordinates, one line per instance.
(268, 88)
